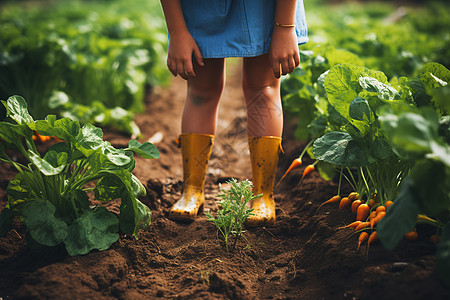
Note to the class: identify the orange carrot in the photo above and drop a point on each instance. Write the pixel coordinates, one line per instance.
(412, 235)
(380, 208)
(372, 238)
(295, 163)
(388, 203)
(353, 196)
(362, 237)
(377, 219)
(355, 205)
(308, 169)
(362, 225)
(363, 212)
(334, 199)
(351, 225)
(372, 215)
(371, 203)
(344, 203)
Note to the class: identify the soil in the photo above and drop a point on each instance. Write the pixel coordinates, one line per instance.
(305, 256)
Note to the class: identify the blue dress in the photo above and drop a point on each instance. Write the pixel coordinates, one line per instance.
(236, 28)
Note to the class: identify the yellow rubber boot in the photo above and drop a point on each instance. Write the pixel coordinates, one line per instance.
(196, 150)
(264, 158)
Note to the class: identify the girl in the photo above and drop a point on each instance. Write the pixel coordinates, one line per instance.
(266, 33)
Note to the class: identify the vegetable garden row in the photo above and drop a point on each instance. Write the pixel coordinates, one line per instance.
(371, 99)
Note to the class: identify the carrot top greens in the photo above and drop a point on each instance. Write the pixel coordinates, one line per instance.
(234, 212)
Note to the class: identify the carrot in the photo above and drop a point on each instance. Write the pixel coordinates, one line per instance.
(372, 238)
(372, 215)
(412, 235)
(371, 203)
(377, 219)
(334, 199)
(344, 203)
(363, 212)
(380, 208)
(295, 163)
(351, 225)
(362, 225)
(355, 205)
(308, 169)
(353, 196)
(388, 203)
(362, 237)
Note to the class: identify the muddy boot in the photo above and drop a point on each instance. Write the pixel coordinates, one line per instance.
(196, 150)
(264, 158)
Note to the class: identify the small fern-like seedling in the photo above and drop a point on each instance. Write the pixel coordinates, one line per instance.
(234, 212)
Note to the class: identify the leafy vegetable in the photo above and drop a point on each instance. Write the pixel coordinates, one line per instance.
(50, 193)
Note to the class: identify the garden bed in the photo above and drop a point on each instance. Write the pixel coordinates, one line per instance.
(305, 256)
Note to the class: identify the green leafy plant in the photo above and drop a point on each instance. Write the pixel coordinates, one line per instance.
(107, 52)
(230, 218)
(51, 194)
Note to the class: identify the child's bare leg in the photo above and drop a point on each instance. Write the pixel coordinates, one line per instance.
(198, 127)
(262, 96)
(265, 125)
(203, 95)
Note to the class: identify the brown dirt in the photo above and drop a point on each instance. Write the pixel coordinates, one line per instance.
(304, 256)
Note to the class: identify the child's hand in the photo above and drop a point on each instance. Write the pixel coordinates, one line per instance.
(181, 49)
(284, 53)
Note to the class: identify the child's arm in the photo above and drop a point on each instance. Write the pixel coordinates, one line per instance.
(284, 48)
(181, 43)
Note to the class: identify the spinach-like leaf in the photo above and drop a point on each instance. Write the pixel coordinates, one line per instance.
(146, 150)
(94, 229)
(400, 218)
(359, 109)
(44, 166)
(44, 227)
(16, 109)
(339, 148)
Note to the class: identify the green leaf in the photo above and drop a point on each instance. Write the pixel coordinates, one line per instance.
(65, 128)
(137, 187)
(326, 170)
(16, 108)
(434, 75)
(44, 166)
(414, 131)
(443, 255)
(385, 91)
(116, 156)
(381, 149)
(44, 227)
(400, 218)
(339, 148)
(343, 86)
(109, 187)
(56, 159)
(146, 150)
(89, 138)
(144, 215)
(12, 133)
(19, 190)
(129, 219)
(94, 229)
(432, 188)
(360, 110)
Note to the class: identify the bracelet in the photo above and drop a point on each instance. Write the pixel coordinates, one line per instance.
(285, 25)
